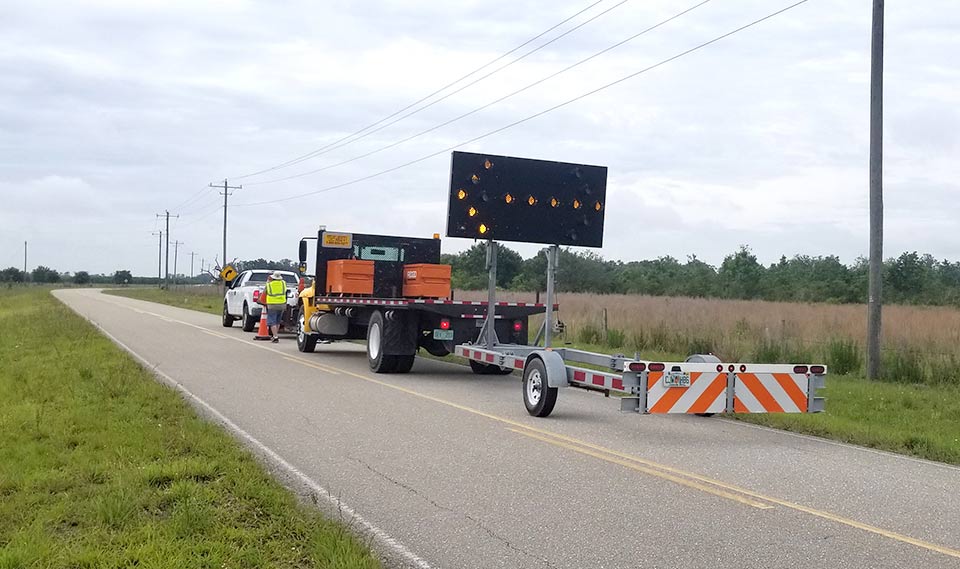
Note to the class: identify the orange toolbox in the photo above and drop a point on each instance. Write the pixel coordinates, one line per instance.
(350, 276)
(426, 281)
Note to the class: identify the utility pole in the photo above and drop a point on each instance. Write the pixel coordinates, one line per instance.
(166, 275)
(176, 245)
(192, 255)
(225, 194)
(159, 255)
(875, 304)
(25, 279)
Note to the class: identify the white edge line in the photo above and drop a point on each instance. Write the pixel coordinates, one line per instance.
(378, 534)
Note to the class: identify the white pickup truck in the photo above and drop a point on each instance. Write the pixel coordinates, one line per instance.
(238, 302)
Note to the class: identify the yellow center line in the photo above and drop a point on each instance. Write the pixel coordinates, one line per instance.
(556, 438)
(633, 466)
(301, 361)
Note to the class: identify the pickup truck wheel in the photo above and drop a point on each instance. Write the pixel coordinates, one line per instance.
(249, 322)
(227, 319)
(538, 397)
(379, 362)
(305, 342)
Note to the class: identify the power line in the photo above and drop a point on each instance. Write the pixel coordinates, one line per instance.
(336, 146)
(536, 115)
(487, 105)
(318, 151)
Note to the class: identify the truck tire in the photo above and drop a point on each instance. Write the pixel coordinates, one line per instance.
(227, 319)
(404, 364)
(538, 397)
(305, 342)
(481, 368)
(379, 362)
(249, 322)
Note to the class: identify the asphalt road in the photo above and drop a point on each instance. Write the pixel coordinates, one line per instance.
(446, 468)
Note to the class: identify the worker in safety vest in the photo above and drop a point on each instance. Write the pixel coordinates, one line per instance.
(276, 294)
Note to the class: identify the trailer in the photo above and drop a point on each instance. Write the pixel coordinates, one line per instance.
(517, 199)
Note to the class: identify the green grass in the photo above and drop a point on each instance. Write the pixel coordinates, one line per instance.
(919, 419)
(203, 299)
(102, 466)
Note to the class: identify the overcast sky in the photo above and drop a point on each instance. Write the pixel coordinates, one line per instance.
(113, 111)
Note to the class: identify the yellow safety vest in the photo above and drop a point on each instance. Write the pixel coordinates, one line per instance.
(276, 292)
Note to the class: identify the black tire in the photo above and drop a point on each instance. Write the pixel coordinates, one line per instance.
(379, 362)
(305, 342)
(227, 319)
(538, 397)
(403, 364)
(249, 321)
(488, 369)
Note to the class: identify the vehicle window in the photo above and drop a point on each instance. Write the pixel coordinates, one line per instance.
(237, 282)
(257, 278)
(291, 279)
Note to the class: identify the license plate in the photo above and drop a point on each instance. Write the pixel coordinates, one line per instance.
(676, 379)
(442, 334)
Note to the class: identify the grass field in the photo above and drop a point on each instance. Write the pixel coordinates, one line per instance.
(101, 466)
(202, 298)
(913, 415)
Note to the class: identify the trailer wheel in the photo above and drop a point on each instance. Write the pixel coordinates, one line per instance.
(403, 364)
(227, 319)
(538, 397)
(305, 342)
(379, 362)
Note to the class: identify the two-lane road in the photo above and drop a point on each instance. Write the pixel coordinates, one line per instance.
(447, 469)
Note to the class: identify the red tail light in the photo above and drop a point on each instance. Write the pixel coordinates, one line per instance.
(656, 367)
(444, 324)
(256, 296)
(301, 284)
(517, 325)
(719, 368)
(799, 369)
(818, 370)
(637, 366)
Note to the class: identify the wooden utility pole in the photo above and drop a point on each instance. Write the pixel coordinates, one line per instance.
(159, 256)
(192, 255)
(176, 249)
(226, 192)
(875, 304)
(166, 276)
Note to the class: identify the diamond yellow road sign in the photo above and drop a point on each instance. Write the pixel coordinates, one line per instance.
(228, 273)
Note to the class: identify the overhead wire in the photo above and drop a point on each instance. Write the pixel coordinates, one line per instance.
(533, 116)
(323, 149)
(452, 93)
(491, 103)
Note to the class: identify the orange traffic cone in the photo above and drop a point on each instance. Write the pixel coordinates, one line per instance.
(263, 332)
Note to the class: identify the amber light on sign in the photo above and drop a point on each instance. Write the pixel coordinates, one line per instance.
(576, 204)
(508, 198)
(554, 202)
(532, 200)
(483, 228)
(475, 179)
(597, 206)
(487, 164)
(461, 194)
(472, 211)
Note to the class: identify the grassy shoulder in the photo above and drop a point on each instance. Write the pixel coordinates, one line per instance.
(918, 420)
(101, 466)
(203, 299)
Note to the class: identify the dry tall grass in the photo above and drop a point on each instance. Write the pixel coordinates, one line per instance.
(739, 329)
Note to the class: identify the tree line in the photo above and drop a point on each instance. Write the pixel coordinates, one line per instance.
(911, 278)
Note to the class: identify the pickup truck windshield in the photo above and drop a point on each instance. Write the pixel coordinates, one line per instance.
(262, 278)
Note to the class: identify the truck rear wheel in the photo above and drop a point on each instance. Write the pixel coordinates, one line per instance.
(379, 362)
(305, 342)
(403, 364)
(538, 397)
